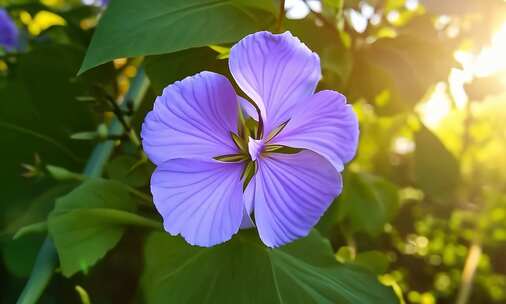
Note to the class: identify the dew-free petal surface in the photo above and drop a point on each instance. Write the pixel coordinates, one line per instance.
(276, 71)
(292, 191)
(325, 124)
(192, 119)
(200, 200)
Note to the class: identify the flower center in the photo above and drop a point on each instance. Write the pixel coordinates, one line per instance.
(255, 148)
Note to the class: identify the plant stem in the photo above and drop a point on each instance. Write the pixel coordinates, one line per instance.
(281, 16)
(41, 274)
(469, 272)
(46, 260)
(350, 242)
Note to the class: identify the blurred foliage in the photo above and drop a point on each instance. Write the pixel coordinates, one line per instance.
(426, 189)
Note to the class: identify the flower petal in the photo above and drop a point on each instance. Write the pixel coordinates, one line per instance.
(201, 200)
(292, 192)
(276, 72)
(9, 37)
(192, 119)
(325, 124)
(248, 109)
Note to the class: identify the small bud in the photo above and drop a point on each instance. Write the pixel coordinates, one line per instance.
(30, 171)
(102, 131)
(33, 170)
(60, 173)
(85, 98)
(84, 136)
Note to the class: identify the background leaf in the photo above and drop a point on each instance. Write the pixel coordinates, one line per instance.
(436, 176)
(163, 70)
(82, 238)
(367, 192)
(128, 170)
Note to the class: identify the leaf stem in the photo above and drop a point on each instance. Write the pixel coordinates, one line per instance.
(33, 228)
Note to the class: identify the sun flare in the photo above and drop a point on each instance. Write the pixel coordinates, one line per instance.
(491, 60)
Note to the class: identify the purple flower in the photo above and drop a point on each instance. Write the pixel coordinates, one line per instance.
(9, 34)
(288, 158)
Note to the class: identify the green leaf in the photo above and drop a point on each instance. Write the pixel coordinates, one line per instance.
(243, 270)
(367, 203)
(129, 170)
(437, 171)
(19, 255)
(81, 226)
(137, 28)
(163, 70)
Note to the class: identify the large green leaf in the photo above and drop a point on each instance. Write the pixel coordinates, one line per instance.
(367, 203)
(88, 222)
(136, 28)
(245, 271)
(437, 171)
